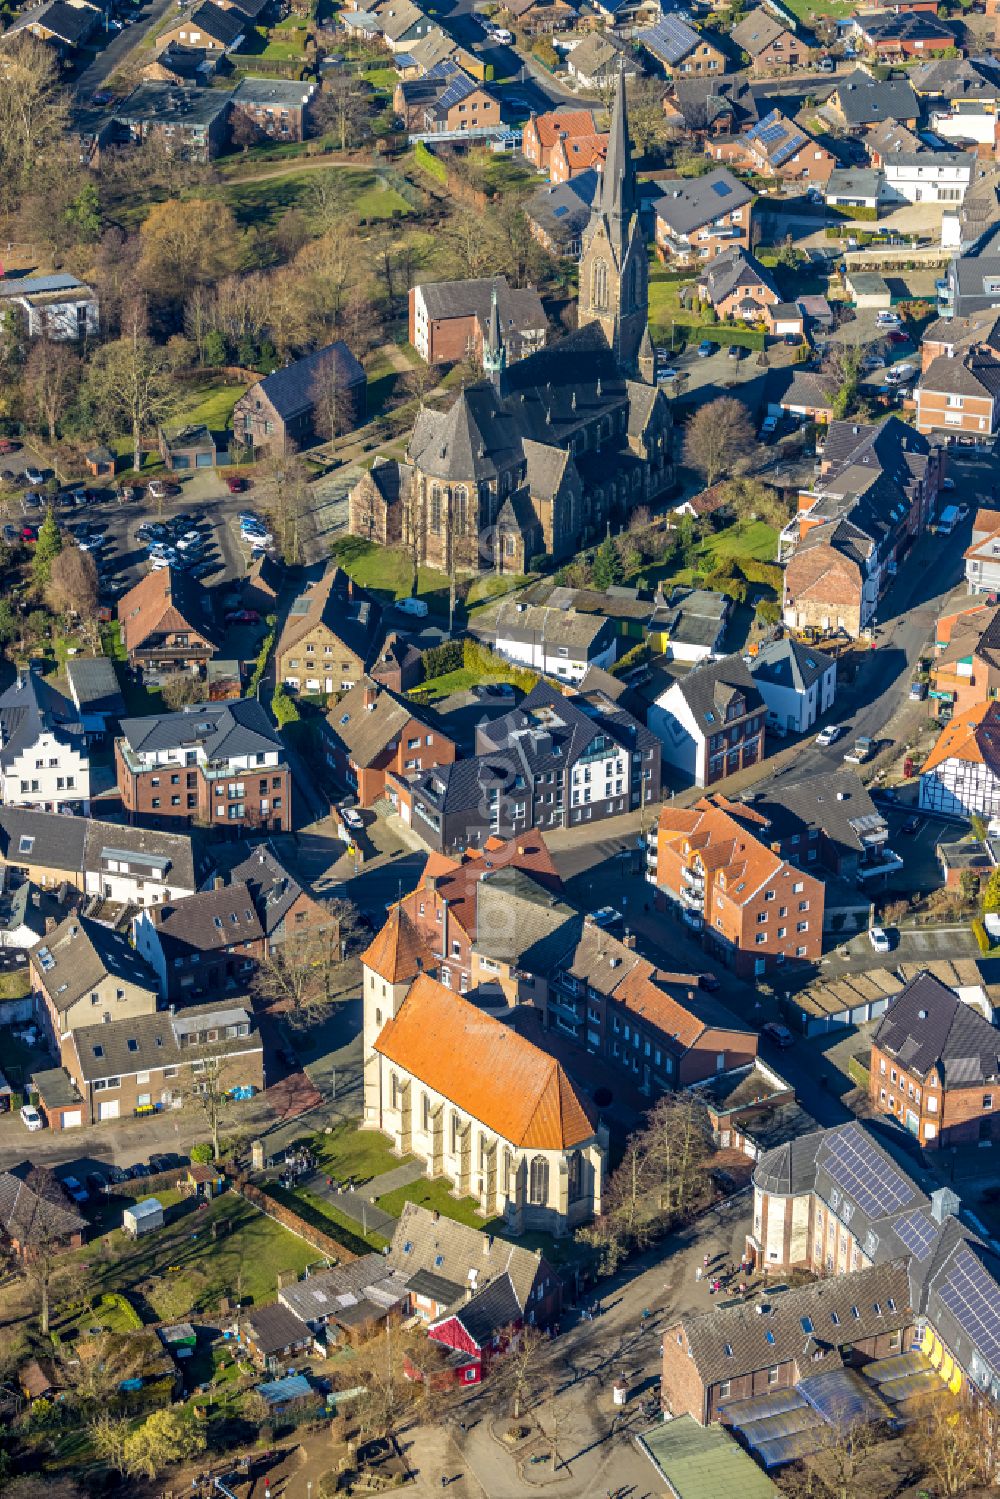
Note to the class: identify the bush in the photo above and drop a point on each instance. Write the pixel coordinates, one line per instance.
(282, 707)
(982, 936)
(768, 611)
(201, 1154)
(486, 663)
(768, 573)
(440, 659)
(260, 665)
(637, 656)
(430, 163)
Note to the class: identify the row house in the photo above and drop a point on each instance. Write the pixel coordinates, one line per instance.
(570, 158)
(959, 398)
(221, 764)
(715, 867)
(701, 217)
(966, 667)
(710, 722)
(935, 1067)
(373, 732)
(210, 943)
(85, 973)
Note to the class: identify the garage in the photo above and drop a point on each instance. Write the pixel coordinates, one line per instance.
(72, 1118)
(107, 1109)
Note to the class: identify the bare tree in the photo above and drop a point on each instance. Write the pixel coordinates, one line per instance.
(45, 1226)
(719, 439)
(210, 1095)
(51, 377)
(956, 1443)
(33, 113)
(73, 586)
(283, 488)
(130, 382)
(333, 410)
(297, 973)
(517, 1375)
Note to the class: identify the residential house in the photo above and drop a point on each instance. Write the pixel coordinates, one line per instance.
(399, 665)
(982, 558)
(401, 23)
(701, 217)
(797, 682)
(961, 775)
(372, 732)
(807, 394)
(928, 176)
(583, 153)
(752, 1109)
(540, 17)
(444, 1263)
(680, 50)
(769, 44)
(955, 336)
(716, 1363)
(34, 1207)
(285, 907)
(329, 636)
(192, 122)
(166, 623)
(159, 1060)
(558, 213)
(861, 101)
(854, 187)
(887, 34)
(874, 494)
(448, 320)
(210, 943)
(222, 763)
(966, 666)
(710, 722)
(774, 147)
(65, 25)
(27, 912)
(348, 1303)
(661, 1027)
(57, 307)
(446, 99)
(960, 398)
(971, 283)
(541, 132)
(836, 1202)
(935, 1067)
(961, 97)
(715, 868)
(273, 1336)
(595, 61)
(320, 395)
(891, 139)
(690, 625)
(97, 696)
(554, 761)
(506, 1127)
(278, 108)
(44, 761)
(710, 106)
(826, 822)
(85, 973)
(182, 65)
(738, 286)
(208, 26)
(558, 642)
(123, 864)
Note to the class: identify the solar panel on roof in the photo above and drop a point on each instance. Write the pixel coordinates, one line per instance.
(722, 189)
(973, 1298)
(859, 1168)
(793, 144)
(917, 1232)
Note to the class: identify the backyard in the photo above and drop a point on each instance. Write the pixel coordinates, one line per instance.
(344, 190)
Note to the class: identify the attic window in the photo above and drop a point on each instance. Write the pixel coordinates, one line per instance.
(26, 843)
(218, 922)
(407, 1247)
(806, 1324)
(890, 1303)
(728, 1350)
(709, 717)
(769, 1335)
(438, 1261)
(346, 718)
(835, 1318)
(876, 1308)
(98, 1051)
(855, 1313)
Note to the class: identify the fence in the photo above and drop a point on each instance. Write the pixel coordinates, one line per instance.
(327, 1243)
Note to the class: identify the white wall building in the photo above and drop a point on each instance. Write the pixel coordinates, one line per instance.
(928, 176)
(559, 642)
(961, 775)
(974, 122)
(59, 307)
(797, 682)
(44, 761)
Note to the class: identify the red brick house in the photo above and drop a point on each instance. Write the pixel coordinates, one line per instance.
(770, 46)
(541, 132)
(166, 623)
(581, 153)
(372, 731)
(935, 1066)
(36, 1213)
(209, 944)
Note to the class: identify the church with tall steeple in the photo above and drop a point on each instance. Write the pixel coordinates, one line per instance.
(540, 457)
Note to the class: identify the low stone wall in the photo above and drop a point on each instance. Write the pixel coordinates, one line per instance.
(326, 1243)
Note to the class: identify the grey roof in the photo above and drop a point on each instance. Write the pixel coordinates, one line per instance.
(458, 1254)
(363, 1287)
(34, 1207)
(756, 31)
(854, 182)
(958, 77)
(976, 373)
(521, 923)
(223, 730)
(225, 26)
(695, 201)
(789, 663)
(710, 688)
(836, 802)
(166, 103)
(284, 93)
(70, 23)
(56, 1088)
(171, 856)
(211, 921)
(704, 100)
(28, 286)
(49, 840)
(580, 635)
(81, 953)
(290, 390)
(733, 1341)
(94, 687)
(865, 100)
(520, 309)
(732, 270)
(811, 389)
(889, 137)
(693, 616)
(273, 889)
(597, 53)
(30, 708)
(670, 39)
(487, 1313)
(928, 1028)
(273, 1328)
(31, 907)
(917, 27)
(123, 1047)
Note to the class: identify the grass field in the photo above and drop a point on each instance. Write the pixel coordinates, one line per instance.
(388, 571)
(436, 1196)
(664, 300)
(209, 403)
(358, 192)
(754, 539)
(287, 41)
(810, 11)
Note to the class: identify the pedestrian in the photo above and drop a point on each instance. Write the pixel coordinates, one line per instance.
(705, 1262)
(698, 1272)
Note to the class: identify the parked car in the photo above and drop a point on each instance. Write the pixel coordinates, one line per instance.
(159, 489)
(351, 818)
(33, 474)
(768, 427)
(829, 735)
(947, 484)
(826, 65)
(412, 606)
(9, 445)
(779, 1034)
(76, 1189)
(242, 617)
(97, 1181)
(29, 533)
(140, 1169)
(879, 939)
(495, 692)
(910, 826)
(606, 918)
(709, 981)
(33, 500)
(706, 348)
(31, 1118)
(918, 691)
(236, 484)
(963, 512)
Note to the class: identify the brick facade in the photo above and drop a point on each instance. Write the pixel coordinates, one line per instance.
(171, 794)
(936, 1114)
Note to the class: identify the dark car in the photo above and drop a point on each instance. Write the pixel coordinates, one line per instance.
(140, 1169)
(910, 826)
(709, 981)
(235, 484)
(29, 533)
(97, 1181)
(159, 1163)
(735, 352)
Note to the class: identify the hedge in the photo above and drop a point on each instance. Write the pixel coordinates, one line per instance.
(863, 215)
(768, 573)
(982, 936)
(441, 659)
(637, 656)
(284, 710)
(430, 163)
(260, 665)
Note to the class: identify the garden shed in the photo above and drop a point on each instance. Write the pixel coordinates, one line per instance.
(143, 1217)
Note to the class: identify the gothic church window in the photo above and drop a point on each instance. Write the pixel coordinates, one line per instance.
(462, 509)
(599, 286)
(435, 509)
(538, 1181)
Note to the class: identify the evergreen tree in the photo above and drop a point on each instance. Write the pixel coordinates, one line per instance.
(607, 565)
(48, 545)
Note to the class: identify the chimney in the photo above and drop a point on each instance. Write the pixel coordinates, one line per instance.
(370, 695)
(218, 883)
(171, 1009)
(429, 882)
(629, 941)
(691, 995)
(487, 1243)
(945, 1204)
(521, 850)
(435, 1215)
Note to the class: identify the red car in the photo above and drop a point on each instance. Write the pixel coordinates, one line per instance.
(235, 484)
(898, 337)
(8, 445)
(243, 617)
(29, 533)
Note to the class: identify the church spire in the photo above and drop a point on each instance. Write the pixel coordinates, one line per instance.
(494, 349)
(619, 196)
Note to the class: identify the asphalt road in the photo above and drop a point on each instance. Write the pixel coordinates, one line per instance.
(147, 16)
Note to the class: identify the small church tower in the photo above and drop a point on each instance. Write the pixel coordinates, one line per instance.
(388, 968)
(494, 348)
(614, 267)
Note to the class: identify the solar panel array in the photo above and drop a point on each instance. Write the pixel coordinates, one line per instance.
(861, 1170)
(973, 1298)
(917, 1232)
(670, 38)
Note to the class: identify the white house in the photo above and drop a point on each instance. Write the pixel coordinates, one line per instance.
(961, 775)
(928, 176)
(976, 121)
(853, 187)
(480, 1104)
(982, 559)
(690, 626)
(710, 722)
(797, 682)
(559, 642)
(43, 750)
(59, 307)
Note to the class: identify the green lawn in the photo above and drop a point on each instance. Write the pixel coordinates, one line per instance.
(746, 539)
(382, 78)
(208, 403)
(810, 11)
(493, 586)
(388, 571)
(287, 40)
(459, 680)
(436, 1196)
(15, 985)
(664, 300)
(357, 191)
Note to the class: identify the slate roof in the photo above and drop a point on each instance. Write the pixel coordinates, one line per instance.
(273, 1328)
(976, 373)
(342, 1292)
(548, 628)
(211, 921)
(811, 389)
(710, 687)
(93, 685)
(35, 1206)
(335, 604)
(284, 93)
(836, 801)
(732, 270)
(695, 201)
(928, 1028)
(702, 101)
(29, 708)
(520, 922)
(123, 1047)
(488, 1312)
(520, 308)
(225, 730)
(958, 78)
(225, 26)
(562, 209)
(789, 663)
(56, 842)
(79, 954)
(167, 103)
(70, 23)
(692, 616)
(733, 1341)
(756, 32)
(31, 907)
(504, 1081)
(170, 855)
(865, 100)
(290, 390)
(426, 1241)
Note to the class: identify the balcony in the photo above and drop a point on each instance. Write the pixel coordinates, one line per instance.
(886, 862)
(692, 900)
